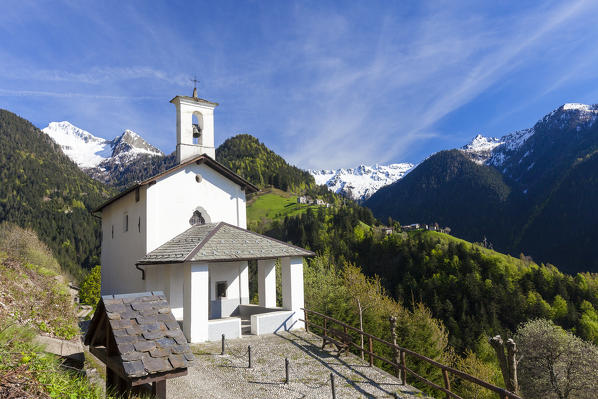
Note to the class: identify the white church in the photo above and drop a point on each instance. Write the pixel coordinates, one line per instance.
(183, 232)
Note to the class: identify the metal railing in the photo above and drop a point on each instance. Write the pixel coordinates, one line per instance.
(401, 366)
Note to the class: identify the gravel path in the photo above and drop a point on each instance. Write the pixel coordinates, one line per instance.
(224, 377)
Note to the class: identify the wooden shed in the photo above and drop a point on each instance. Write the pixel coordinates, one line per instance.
(139, 340)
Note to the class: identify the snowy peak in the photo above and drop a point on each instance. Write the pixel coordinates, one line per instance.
(571, 114)
(130, 143)
(361, 182)
(85, 149)
(96, 154)
(480, 148)
(579, 107)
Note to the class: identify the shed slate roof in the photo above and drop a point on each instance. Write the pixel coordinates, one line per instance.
(147, 336)
(220, 242)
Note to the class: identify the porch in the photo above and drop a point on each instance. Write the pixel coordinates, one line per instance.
(204, 272)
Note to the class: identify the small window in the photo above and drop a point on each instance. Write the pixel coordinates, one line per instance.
(137, 195)
(112, 231)
(139, 224)
(126, 223)
(221, 289)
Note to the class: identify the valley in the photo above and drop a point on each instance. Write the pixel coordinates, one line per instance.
(460, 289)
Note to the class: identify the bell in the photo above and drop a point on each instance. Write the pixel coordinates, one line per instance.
(196, 131)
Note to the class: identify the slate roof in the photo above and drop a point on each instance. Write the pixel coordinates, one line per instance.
(148, 338)
(220, 242)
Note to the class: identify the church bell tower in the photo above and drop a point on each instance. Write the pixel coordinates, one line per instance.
(194, 127)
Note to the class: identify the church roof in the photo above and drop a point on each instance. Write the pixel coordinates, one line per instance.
(200, 159)
(220, 242)
(138, 335)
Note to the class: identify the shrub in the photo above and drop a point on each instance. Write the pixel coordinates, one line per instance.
(90, 288)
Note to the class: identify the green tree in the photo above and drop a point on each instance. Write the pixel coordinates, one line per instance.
(90, 288)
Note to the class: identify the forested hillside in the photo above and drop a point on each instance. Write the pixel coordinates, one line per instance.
(476, 194)
(534, 196)
(475, 291)
(42, 189)
(248, 157)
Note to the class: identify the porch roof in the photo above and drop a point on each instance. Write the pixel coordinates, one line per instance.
(220, 242)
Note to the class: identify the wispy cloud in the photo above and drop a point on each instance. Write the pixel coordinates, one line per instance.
(375, 110)
(326, 87)
(38, 93)
(99, 75)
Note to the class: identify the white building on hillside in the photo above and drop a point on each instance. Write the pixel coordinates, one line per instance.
(183, 232)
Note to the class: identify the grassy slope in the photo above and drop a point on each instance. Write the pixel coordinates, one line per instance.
(272, 205)
(34, 299)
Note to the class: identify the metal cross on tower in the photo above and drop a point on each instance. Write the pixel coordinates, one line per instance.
(195, 82)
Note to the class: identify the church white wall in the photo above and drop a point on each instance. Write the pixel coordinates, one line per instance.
(175, 289)
(169, 279)
(231, 273)
(121, 251)
(172, 200)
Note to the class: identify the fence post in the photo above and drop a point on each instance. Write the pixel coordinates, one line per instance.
(371, 351)
(249, 355)
(222, 351)
(447, 382)
(286, 370)
(393, 335)
(404, 369)
(306, 320)
(332, 386)
(325, 328)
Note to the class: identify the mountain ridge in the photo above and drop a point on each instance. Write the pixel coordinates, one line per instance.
(535, 165)
(361, 182)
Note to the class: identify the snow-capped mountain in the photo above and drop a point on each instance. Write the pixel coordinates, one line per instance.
(361, 182)
(98, 157)
(85, 149)
(494, 151)
(480, 148)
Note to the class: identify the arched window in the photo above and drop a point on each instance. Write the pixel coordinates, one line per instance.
(197, 218)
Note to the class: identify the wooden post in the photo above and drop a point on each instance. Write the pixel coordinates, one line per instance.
(371, 351)
(507, 362)
(393, 334)
(447, 382)
(403, 369)
(512, 363)
(349, 349)
(325, 329)
(159, 389)
(306, 320)
(222, 351)
(286, 370)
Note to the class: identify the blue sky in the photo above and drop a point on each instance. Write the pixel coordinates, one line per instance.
(325, 84)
